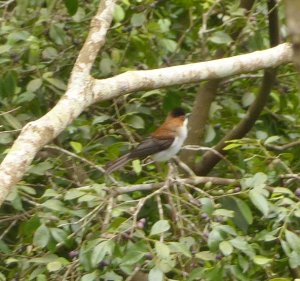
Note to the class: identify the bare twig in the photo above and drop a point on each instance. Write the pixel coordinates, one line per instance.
(108, 213)
(193, 180)
(283, 147)
(12, 110)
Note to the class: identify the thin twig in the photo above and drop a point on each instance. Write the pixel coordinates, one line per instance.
(12, 110)
(192, 180)
(282, 147)
(8, 229)
(108, 213)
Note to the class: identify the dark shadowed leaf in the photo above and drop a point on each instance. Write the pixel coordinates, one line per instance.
(72, 6)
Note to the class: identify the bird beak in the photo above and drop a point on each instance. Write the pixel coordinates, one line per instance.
(188, 115)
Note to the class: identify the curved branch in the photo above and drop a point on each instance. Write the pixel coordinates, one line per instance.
(132, 81)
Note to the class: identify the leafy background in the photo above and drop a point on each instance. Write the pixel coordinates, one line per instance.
(65, 221)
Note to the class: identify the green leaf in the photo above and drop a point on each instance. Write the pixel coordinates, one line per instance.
(88, 198)
(244, 209)
(44, 259)
(206, 256)
(100, 119)
(293, 240)
(180, 248)
(10, 83)
(160, 227)
(40, 169)
(89, 277)
(261, 260)
(77, 146)
(271, 139)
(57, 34)
(6, 138)
(41, 236)
(119, 13)
(210, 133)
(258, 180)
(294, 259)
(54, 204)
(196, 274)
(214, 239)
(72, 6)
(54, 266)
(4, 49)
(162, 250)
(165, 264)
(132, 257)
(261, 135)
(137, 167)
(4, 248)
(138, 19)
(231, 146)
(164, 25)
(50, 193)
(259, 201)
(220, 37)
(106, 66)
(248, 98)
(188, 241)
(223, 213)
(73, 194)
(155, 274)
(34, 85)
(12, 121)
(59, 235)
(57, 83)
(242, 245)
(226, 248)
(207, 205)
(101, 250)
(136, 121)
(169, 45)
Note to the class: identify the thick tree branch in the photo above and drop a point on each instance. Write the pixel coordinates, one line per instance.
(132, 81)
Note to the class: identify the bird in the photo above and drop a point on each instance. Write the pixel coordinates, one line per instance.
(164, 143)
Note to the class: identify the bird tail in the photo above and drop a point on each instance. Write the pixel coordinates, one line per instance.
(117, 164)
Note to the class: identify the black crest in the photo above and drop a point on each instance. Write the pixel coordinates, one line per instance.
(177, 112)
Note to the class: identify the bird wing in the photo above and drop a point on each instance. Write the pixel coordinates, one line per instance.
(150, 146)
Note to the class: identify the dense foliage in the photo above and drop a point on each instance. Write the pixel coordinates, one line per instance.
(66, 221)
